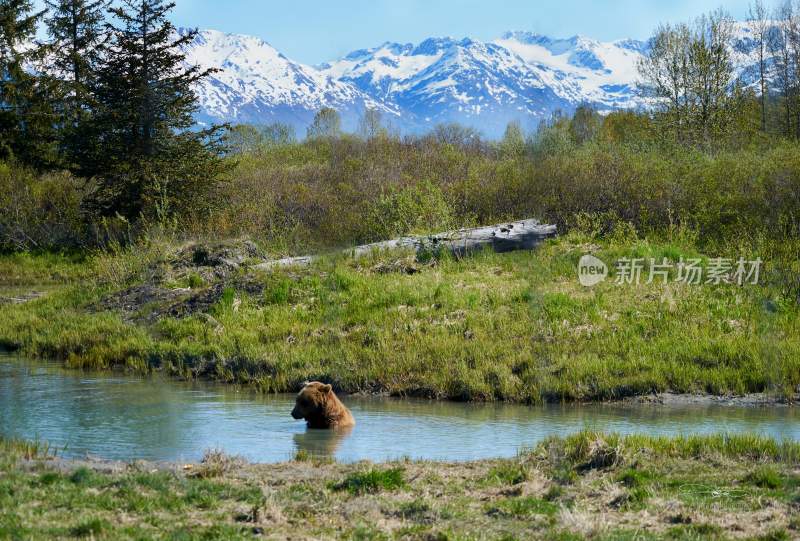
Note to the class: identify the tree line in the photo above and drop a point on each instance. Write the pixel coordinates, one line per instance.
(688, 74)
(689, 71)
(107, 96)
(99, 128)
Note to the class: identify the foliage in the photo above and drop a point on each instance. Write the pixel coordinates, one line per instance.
(327, 123)
(149, 159)
(513, 143)
(41, 211)
(371, 125)
(26, 99)
(244, 139)
(77, 36)
(306, 196)
(690, 68)
(413, 209)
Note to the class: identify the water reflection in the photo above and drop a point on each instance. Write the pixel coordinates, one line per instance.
(321, 443)
(132, 417)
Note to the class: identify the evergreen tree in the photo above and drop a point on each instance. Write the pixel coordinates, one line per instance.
(77, 34)
(147, 156)
(26, 118)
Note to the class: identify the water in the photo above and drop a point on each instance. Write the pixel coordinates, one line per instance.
(127, 417)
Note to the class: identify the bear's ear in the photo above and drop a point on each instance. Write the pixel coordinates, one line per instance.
(326, 388)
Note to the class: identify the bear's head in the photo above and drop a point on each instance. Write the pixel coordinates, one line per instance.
(312, 401)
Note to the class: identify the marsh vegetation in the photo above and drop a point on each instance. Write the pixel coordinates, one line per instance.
(590, 485)
(515, 327)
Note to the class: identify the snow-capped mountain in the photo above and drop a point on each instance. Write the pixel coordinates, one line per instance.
(520, 76)
(257, 84)
(443, 80)
(582, 70)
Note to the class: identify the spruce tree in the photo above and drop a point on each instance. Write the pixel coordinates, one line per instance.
(27, 129)
(77, 34)
(149, 158)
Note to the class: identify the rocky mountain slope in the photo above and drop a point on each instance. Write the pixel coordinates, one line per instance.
(520, 76)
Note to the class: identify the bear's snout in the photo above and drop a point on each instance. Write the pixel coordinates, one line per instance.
(296, 414)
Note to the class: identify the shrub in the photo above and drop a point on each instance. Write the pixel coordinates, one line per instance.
(412, 209)
(40, 211)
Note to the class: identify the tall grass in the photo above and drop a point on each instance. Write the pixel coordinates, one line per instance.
(26, 449)
(515, 327)
(603, 449)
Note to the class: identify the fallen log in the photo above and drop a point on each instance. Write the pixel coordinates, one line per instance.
(505, 237)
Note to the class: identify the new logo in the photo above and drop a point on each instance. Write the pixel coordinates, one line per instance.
(591, 271)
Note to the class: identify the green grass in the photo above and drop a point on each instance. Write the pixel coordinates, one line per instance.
(372, 481)
(90, 528)
(45, 268)
(26, 449)
(603, 450)
(658, 488)
(522, 507)
(765, 477)
(516, 327)
(508, 474)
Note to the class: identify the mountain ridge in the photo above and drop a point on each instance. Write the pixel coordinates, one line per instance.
(520, 76)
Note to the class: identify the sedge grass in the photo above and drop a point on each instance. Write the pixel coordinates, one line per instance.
(516, 327)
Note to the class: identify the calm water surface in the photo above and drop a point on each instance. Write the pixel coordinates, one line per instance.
(128, 417)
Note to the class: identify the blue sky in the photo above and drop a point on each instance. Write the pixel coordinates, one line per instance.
(314, 31)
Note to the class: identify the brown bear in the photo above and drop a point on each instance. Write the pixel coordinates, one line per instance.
(319, 406)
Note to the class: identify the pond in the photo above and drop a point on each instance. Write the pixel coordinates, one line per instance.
(128, 417)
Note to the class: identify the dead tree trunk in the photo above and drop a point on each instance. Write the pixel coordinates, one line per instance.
(506, 237)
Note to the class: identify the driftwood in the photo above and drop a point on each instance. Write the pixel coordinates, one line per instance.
(506, 237)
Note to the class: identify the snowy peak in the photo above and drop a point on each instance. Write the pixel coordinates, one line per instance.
(520, 76)
(443, 79)
(257, 84)
(578, 55)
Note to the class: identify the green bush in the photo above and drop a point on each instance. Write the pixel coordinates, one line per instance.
(412, 209)
(40, 211)
(302, 197)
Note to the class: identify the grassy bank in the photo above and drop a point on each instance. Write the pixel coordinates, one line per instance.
(515, 327)
(586, 486)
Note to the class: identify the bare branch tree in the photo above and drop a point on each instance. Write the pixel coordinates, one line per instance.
(760, 24)
(689, 69)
